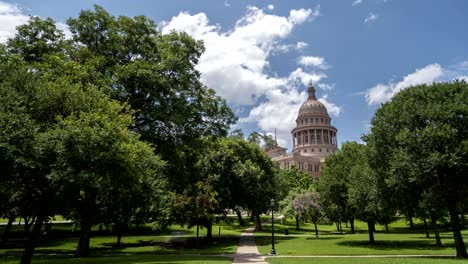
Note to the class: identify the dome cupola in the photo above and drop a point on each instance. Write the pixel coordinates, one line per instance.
(314, 135)
(312, 105)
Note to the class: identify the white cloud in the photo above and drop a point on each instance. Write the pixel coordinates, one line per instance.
(10, 18)
(278, 112)
(283, 48)
(371, 18)
(383, 92)
(305, 77)
(235, 62)
(326, 86)
(332, 108)
(313, 61)
(357, 2)
(227, 4)
(271, 7)
(299, 16)
(236, 65)
(301, 45)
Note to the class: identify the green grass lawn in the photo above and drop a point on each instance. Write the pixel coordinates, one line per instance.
(175, 240)
(133, 259)
(62, 239)
(399, 240)
(365, 260)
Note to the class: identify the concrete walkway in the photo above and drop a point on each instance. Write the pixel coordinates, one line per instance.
(247, 252)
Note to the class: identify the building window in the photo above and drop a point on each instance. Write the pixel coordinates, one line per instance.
(307, 120)
(320, 150)
(312, 150)
(327, 150)
(305, 150)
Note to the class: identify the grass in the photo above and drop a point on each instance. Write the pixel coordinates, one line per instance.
(275, 260)
(399, 240)
(138, 246)
(19, 219)
(134, 259)
(175, 240)
(173, 245)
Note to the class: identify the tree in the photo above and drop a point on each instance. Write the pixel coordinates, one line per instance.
(293, 182)
(419, 139)
(265, 141)
(348, 184)
(155, 74)
(307, 206)
(334, 185)
(241, 174)
(62, 136)
(126, 59)
(97, 157)
(364, 197)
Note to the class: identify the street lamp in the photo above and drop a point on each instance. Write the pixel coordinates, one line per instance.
(273, 251)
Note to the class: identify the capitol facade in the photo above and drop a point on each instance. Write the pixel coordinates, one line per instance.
(314, 138)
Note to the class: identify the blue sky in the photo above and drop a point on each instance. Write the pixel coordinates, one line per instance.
(261, 54)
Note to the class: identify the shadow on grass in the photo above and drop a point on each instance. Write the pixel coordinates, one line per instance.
(123, 259)
(266, 240)
(216, 245)
(395, 245)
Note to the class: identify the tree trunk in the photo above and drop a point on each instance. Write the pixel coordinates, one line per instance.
(341, 228)
(85, 237)
(252, 216)
(6, 231)
(258, 222)
(370, 227)
(209, 229)
(426, 228)
(386, 227)
(198, 232)
(337, 224)
(346, 224)
(316, 230)
(435, 226)
(297, 222)
(27, 225)
(119, 236)
(351, 223)
(32, 239)
(411, 223)
(456, 229)
(239, 217)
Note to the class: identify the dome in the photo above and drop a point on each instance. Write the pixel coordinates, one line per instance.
(312, 105)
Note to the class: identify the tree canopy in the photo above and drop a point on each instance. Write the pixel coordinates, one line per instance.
(419, 146)
(86, 122)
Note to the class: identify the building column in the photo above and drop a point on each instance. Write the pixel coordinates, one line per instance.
(315, 136)
(323, 142)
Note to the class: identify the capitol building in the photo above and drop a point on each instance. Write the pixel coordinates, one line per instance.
(314, 138)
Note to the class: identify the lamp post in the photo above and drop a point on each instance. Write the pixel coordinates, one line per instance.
(273, 251)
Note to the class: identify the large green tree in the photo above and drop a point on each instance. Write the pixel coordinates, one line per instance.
(241, 174)
(349, 189)
(156, 75)
(62, 136)
(419, 139)
(334, 185)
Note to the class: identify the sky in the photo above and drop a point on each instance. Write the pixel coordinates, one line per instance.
(261, 55)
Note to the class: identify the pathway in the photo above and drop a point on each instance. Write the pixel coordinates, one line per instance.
(247, 252)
